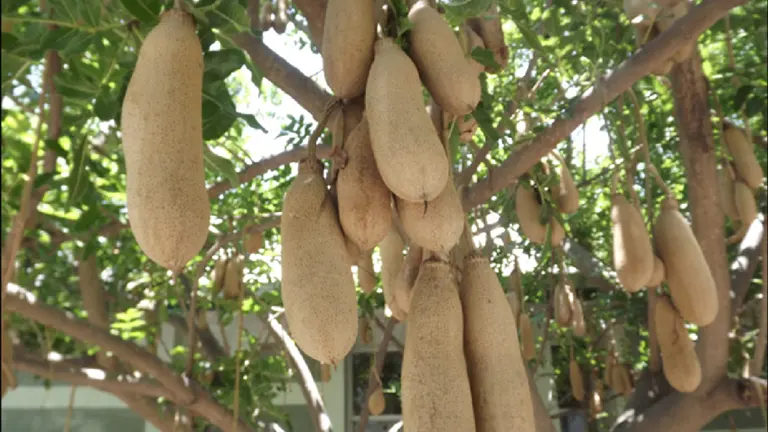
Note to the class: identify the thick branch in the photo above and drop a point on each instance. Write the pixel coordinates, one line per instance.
(284, 75)
(697, 147)
(258, 168)
(686, 30)
(128, 352)
(687, 412)
(745, 264)
(59, 372)
(307, 383)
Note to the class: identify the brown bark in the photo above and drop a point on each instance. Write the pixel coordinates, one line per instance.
(694, 127)
(307, 383)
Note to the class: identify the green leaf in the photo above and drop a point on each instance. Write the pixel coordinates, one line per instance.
(53, 144)
(88, 219)
(70, 85)
(222, 166)
(230, 16)
(78, 181)
(43, 179)
(106, 106)
(741, 96)
(250, 119)
(219, 112)
(220, 64)
(146, 11)
(464, 9)
(756, 106)
(485, 122)
(485, 57)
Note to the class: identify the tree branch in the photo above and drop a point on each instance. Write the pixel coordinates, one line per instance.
(685, 30)
(697, 148)
(307, 382)
(381, 356)
(744, 265)
(61, 372)
(284, 75)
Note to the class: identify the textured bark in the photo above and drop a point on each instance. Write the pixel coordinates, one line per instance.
(694, 127)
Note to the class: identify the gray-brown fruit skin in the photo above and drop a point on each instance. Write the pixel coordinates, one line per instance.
(406, 277)
(632, 250)
(348, 37)
(438, 55)
(364, 200)
(497, 373)
(435, 225)
(688, 277)
(436, 395)
(391, 251)
(680, 362)
(317, 286)
(162, 130)
(408, 152)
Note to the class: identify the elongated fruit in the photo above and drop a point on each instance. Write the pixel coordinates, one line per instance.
(563, 311)
(391, 252)
(364, 200)
(437, 53)
(688, 276)
(348, 37)
(435, 225)
(526, 337)
(408, 152)
(658, 275)
(435, 386)
(632, 251)
(744, 161)
(233, 277)
(376, 402)
(725, 193)
(406, 277)
(497, 373)
(564, 192)
(577, 380)
(528, 212)
(366, 274)
(162, 128)
(577, 319)
(317, 285)
(679, 360)
(253, 242)
(218, 274)
(746, 207)
(488, 27)
(473, 40)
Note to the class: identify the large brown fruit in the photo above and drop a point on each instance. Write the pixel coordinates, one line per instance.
(488, 27)
(376, 402)
(658, 275)
(577, 380)
(408, 152)
(435, 225)
(162, 128)
(348, 37)
(577, 319)
(744, 161)
(528, 213)
(364, 200)
(317, 286)
(688, 276)
(406, 277)
(563, 312)
(564, 192)
(233, 277)
(679, 360)
(366, 275)
(473, 40)
(632, 251)
(526, 337)
(725, 193)
(447, 75)
(253, 242)
(497, 373)
(745, 203)
(435, 386)
(218, 274)
(391, 252)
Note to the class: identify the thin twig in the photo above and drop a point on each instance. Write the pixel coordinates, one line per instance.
(13, 243)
